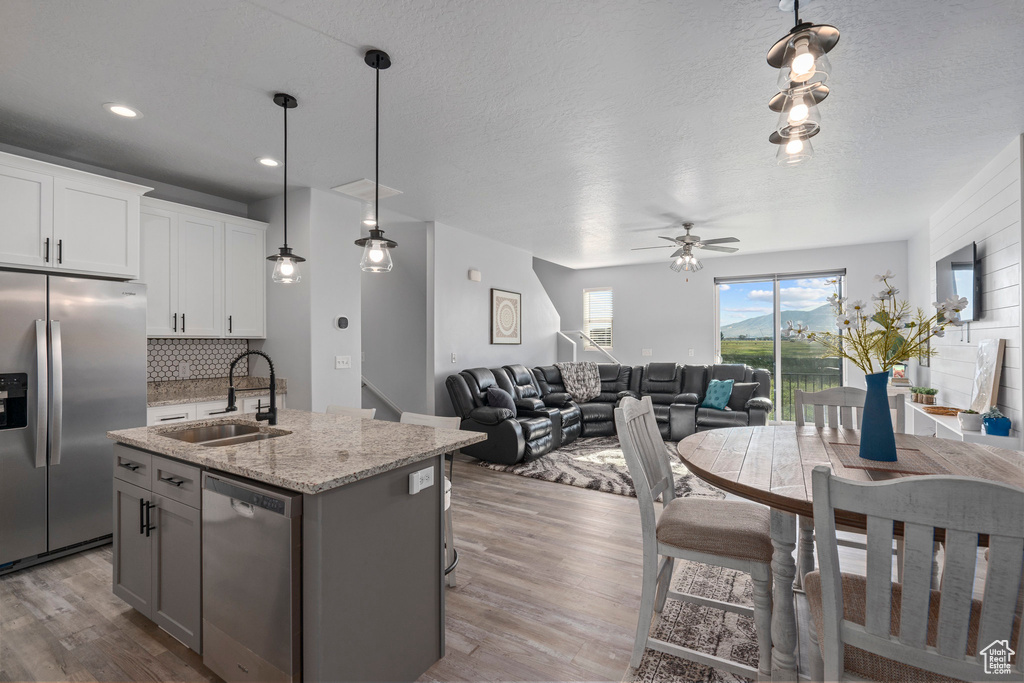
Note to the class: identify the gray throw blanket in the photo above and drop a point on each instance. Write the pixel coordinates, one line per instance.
(581, 379)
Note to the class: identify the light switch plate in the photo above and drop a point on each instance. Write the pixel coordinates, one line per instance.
(691, 353)
(453, 357)
(647, 352)
(184, 370)
(342, 362)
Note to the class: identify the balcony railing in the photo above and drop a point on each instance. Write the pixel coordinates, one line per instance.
(805, 381)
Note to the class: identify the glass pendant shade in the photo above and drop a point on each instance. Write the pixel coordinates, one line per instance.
(376, 257)
(286, 272)
(805, 63)
(677, 264)
(794, 150)
(800, 117)
(686, 262)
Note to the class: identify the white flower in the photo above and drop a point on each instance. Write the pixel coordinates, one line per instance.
(886, 294)
(886, 276)
(844, 322)
(858, 306)
(955, 303)
(938, 332)
(953, 318)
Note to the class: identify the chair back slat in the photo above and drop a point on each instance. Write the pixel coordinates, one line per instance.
(1002, 583)
(877, 610)
(918, 542)
(645, 455)
(846, 417)
(957, 588)
(965, 508)
(843, 407)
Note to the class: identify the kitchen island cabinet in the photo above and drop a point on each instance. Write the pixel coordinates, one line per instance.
(372, 584)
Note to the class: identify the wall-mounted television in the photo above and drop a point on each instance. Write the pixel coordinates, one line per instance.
(959, 275)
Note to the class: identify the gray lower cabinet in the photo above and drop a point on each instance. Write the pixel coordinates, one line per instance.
(158, 544)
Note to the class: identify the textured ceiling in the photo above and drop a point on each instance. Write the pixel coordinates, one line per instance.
(568, 128)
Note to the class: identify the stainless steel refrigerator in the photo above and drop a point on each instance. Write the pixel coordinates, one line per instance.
(72, 367)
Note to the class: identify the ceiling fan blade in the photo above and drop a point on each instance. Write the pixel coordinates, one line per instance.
(670, 239)
(660, 246)
(677, 252)
(720, 240)
(727, 250)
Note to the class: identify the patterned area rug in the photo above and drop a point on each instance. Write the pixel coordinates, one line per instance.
(598, 463)
(724, 634)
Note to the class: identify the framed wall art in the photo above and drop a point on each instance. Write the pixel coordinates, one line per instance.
(506, 317)
(987, 371)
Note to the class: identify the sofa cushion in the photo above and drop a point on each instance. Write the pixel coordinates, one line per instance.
(737, 372)
(709, 418)
(741, 393)
(523, 380)
(535, 427)
(596, 412)
(661, 412)
(718, 394)
(499, 398)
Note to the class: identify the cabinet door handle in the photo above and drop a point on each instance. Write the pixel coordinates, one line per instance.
(172, 481)
(229, 324)
(219, 412)
(149, 527)
(46, 250)
(183, 323)
(175, 322)
(128, 466)
(142, 515)
(174, 417)
(60, 251)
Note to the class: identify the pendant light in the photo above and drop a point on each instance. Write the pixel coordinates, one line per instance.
(792, 150)
(286, 268)
(376, 254)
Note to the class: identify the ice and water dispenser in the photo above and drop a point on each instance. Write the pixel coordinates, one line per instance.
(13, 400)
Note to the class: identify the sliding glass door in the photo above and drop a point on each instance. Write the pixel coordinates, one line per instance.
(753, 316)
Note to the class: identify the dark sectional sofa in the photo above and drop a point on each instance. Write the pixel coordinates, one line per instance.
(547, 417)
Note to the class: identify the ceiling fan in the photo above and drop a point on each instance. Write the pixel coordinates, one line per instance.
(683, 257)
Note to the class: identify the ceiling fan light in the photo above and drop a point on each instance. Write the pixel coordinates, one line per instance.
(677, 264)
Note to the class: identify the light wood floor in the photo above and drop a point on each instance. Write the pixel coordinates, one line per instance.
(548, 590)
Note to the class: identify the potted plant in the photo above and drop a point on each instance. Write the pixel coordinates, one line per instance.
(929, 395)
(915, 394)
(970, 420)
(996, 424)
(875, 341)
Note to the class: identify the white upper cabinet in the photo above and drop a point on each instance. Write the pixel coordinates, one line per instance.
(245, 280)
(204, 272)
(66, 220)
(201, 276)
(26, 222)
(159, 266)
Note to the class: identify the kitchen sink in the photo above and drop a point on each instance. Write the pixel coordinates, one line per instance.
(213, 432)
(244, 438)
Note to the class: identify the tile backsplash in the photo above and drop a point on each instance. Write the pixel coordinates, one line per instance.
(205, 358)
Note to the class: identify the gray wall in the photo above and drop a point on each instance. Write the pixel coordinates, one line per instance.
(301, 337)
(671, 313)
(394, 310)
(460, 310)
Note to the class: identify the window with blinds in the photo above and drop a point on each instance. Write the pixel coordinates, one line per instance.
(597, 316)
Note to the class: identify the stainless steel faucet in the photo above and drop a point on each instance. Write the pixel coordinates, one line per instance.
(270, 415)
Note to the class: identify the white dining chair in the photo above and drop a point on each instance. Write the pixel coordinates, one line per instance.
(365, 413)
(837, 407)
(451, 556)
(868, 626)
(724, 533)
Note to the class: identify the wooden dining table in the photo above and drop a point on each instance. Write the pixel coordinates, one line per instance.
(772, 465)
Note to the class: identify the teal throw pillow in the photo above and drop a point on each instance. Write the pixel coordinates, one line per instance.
(719, 391)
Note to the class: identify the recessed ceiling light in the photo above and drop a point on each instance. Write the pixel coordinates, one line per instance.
(267, 161)
(122, 110)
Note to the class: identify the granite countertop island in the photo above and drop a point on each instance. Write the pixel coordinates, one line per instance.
(314, 452)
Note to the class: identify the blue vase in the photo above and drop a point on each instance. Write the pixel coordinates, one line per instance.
(877, 441)
(997, 426)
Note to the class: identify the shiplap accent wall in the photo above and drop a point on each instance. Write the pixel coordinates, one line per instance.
(986, 211)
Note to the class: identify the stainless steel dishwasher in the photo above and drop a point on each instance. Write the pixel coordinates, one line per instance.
(252, 548)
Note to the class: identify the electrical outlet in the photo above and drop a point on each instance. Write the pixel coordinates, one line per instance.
(422, 479)
(647, 352)
(184, 369)
(691, 353)
(342, 362)
(453, 357)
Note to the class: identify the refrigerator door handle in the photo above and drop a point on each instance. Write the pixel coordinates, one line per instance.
(57, 414)
(41, 393)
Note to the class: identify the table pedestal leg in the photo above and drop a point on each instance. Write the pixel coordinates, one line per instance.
(784, 667)
(805, 551)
